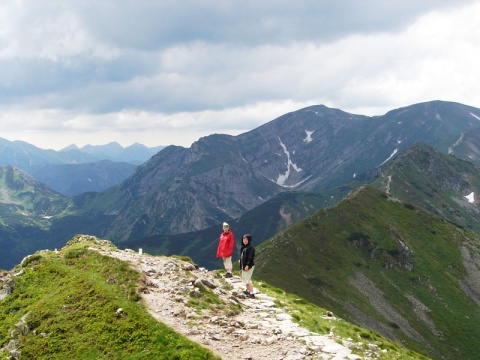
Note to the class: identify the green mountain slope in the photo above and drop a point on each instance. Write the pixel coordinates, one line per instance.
(466, 147)
(77, 304)
(25, 196)
(27, 210)
(442, 184)
(386, 265)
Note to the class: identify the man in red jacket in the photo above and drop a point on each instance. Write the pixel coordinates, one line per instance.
(225, 249)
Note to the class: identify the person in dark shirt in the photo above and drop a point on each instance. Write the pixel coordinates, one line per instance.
(247, 264)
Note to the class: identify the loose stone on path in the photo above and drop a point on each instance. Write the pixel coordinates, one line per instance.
(260, 330)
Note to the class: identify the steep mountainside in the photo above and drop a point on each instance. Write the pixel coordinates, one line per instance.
(441, 184)
(387, 265)
(185, 189)
(27, 210)
(276, 214)
(221, 177)
(27, 196)
(467, 146)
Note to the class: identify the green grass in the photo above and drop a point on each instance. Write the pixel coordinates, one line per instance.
(317, 319)
(79, 304)
(435, 182)
(363, 240)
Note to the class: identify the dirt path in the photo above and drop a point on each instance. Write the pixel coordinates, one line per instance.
(260, 330)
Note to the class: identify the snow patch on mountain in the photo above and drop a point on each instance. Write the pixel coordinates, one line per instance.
(458, 142)
(391, 156)
(309, 136)
(290, 165)
(475, 116)
(471, 197)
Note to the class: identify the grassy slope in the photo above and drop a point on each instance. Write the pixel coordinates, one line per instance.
(436, 182)
(27, 210)
(333, 258)
(316, 319)
(70, 301)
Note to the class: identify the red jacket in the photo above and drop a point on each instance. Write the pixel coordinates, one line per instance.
(225, 246)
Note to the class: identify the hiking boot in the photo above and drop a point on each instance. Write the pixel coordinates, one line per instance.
(246, 292)
(228, 275)
(251, 295)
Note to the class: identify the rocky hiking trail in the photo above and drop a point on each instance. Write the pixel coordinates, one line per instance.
(259, 330)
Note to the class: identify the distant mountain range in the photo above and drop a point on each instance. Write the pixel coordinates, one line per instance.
(134, 154)
(74, 170)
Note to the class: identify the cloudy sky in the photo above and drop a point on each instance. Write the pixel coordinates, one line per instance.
(169, 72)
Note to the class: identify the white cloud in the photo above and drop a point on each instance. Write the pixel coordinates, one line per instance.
(90, 72)
(56, 129)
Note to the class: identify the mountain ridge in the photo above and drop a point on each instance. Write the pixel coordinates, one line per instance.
(443, 185)
(220, 177)
(397, 255)
(387, 265)
(110, 299)
(74, 179)
(72, 170)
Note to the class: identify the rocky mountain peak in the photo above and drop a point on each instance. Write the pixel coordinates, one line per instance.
(220, 177)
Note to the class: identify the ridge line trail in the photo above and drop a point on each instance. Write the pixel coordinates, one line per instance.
(260, 330)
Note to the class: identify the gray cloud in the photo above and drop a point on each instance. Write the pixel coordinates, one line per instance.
(168, 23)
(215, 66)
